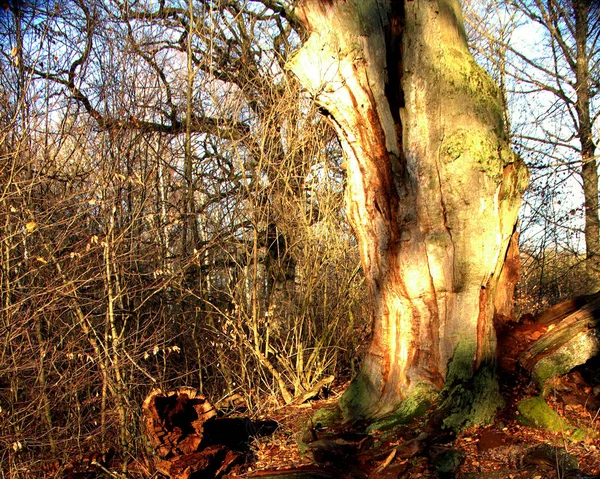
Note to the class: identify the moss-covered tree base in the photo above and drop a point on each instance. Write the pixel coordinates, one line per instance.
(325, 417)
(414, 406)
(469, 398)
(358, 402)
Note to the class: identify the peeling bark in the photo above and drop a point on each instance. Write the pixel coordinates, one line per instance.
(433, 189)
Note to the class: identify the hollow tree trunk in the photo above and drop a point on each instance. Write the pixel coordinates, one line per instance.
(433, 189)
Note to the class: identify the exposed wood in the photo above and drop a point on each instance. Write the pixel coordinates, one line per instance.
(580, 323)
(561, 310)
(174, 421)
(504, 300)
(190, 440)
(556, 341)
(208, 461)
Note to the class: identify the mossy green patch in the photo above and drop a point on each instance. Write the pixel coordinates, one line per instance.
(327, 416)
(481, 141)
(469, 398)
(536, 412)
(583, 434)
(480, 146)
(358, 400)
(448, 461)
(415, 405)
(487, 398)
(548, 368)
(574, 352)
(460, 367)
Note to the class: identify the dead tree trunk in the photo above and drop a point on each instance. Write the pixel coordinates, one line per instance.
(175, 420)
(174, 423)
(433, 189)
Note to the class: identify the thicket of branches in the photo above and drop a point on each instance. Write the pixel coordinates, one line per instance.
(172, 214)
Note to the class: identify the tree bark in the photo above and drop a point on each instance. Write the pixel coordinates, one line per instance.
(188, 438)
(589, 169)
(433, 189)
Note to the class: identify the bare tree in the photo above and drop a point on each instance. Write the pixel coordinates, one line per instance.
(171, 214)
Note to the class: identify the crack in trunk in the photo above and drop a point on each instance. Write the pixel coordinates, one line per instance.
(419, 125)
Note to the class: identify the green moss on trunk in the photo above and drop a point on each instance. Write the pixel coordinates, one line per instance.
(469, 398)
(357, 402)
(414, 406)
(326, 416)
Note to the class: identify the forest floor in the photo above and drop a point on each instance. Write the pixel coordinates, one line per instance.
(308, 444)
(505, 449)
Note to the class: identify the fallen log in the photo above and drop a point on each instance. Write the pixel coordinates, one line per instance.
(572, 337)
(175, 420)
(565, 308)
(188, 438)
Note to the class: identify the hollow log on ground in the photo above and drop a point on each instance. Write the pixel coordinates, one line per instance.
(175, 420)
(190, 441)
(175, 425)
(571, 338)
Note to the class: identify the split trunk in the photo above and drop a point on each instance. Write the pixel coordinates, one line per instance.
(433, 189)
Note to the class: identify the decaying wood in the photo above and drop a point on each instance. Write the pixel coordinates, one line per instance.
(563, 309)
(509, 277)
(188, 438)
(571, 339)
(208, 461)
(175, 420)
(545, 454)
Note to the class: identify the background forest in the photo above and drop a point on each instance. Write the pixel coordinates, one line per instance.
(172, 206)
